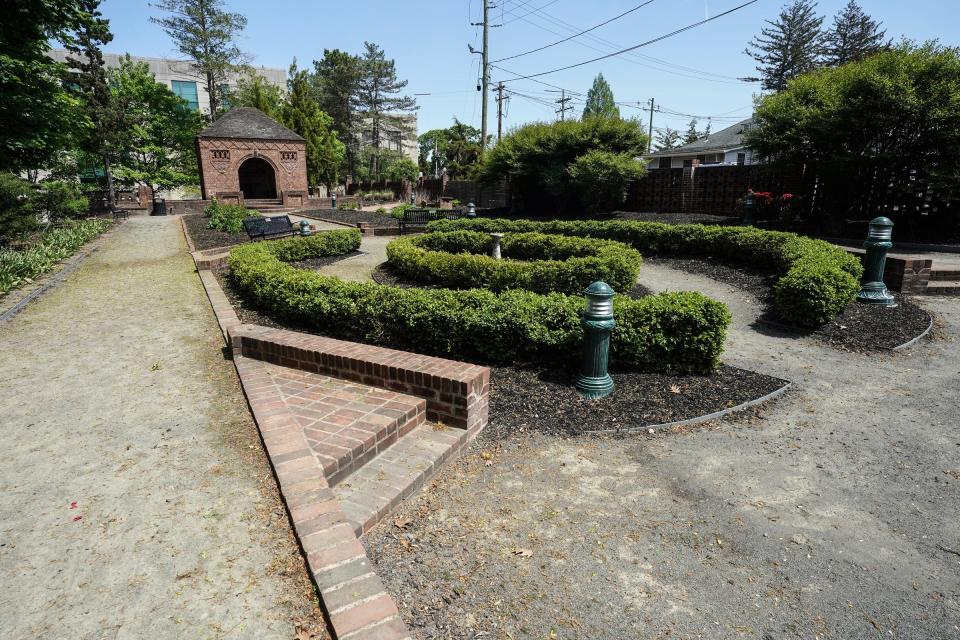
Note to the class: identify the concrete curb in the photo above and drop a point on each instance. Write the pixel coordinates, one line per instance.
(697, 420)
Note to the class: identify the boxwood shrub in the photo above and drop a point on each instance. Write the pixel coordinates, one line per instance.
(536, 262)
(816, 279)
(681, 331)
(227, 217)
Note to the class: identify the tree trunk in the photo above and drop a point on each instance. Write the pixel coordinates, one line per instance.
(111, 195)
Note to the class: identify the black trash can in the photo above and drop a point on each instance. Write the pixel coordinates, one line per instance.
(160, 207)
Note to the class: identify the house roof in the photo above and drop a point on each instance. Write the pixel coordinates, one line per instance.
(250, 123)
(723, 140)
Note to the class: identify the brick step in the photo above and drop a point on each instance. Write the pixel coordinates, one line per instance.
(371, 493)
(345, 424)
(943, 288)
(263, 201)
(944, 275)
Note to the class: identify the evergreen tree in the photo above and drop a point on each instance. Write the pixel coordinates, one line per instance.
(253, 90)
(39, 118)
(377, 101)
(667, 139)
(600, 100)
(204, 32)
(853, 37)
(336, 79)
(789, 47)
(88, 77)
(302, 113)
(692, 134)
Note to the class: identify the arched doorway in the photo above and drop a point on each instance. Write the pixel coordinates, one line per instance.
(257, 179)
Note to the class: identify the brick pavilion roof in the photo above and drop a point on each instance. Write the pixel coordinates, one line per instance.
(250, 123)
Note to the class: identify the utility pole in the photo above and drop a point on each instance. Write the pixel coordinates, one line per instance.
(500, 100)
(486, 74)
(562, 101)
(650, 138)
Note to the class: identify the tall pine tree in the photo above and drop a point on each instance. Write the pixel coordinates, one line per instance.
(692, 134)
(253, 90)
(88, 79)
(788, 47)
(600, 100)
(667, 139)
(378, 103)
(302, 113)
(204, 32)
(853, 37)
(336, 77)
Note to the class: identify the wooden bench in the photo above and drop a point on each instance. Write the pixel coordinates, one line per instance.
(420, 217)
(266, 227)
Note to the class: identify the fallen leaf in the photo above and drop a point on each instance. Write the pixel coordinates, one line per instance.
(402, 522)
(523, 553)
(674, 388)
(486, 455)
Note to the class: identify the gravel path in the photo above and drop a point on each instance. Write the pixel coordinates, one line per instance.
(832, 513)
(135, 499)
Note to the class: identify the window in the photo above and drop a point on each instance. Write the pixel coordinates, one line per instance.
(187, 90)
(221, 154)
(288, 155)
(224, 94)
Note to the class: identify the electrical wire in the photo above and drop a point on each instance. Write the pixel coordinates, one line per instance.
(596, 26)
(637, 46)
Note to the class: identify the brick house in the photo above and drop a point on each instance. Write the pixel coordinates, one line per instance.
(246, 155)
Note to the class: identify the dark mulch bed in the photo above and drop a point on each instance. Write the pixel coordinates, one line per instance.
(348, 216)
(859, 327)
(673, 218)
(544, 400)
(204, 238)
(315, 263)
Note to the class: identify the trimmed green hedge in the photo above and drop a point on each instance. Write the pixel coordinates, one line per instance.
(537, 262)
(227, 217)
(681, 332)
(817, 279)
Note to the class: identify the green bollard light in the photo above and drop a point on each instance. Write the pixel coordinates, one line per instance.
(878, 242)
(594, 381)
(334, 201)
(749, 208)
(304, 228)
(471, 210)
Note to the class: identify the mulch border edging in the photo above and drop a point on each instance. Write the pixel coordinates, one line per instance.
(920, 337)
(57, 277)
(699, 419)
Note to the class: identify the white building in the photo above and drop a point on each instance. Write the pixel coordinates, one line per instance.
(723, 147)
(180, 76)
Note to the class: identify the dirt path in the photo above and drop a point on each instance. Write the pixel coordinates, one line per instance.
(115, 397)
(832, 513)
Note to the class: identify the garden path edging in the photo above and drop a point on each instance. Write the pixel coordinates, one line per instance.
(917, 339)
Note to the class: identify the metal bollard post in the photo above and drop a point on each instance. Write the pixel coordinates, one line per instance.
(304, 228)
(334, 205)
(749, 209)
(878, 242)
(495, 252)
(471, 210)
(594, 381)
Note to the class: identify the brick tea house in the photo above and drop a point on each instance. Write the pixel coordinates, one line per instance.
(247, 155)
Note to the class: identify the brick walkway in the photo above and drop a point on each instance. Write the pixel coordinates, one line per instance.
(135, 498)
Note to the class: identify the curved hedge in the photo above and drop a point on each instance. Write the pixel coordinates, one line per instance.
(817, 279)
(681, 332)
(536, 262)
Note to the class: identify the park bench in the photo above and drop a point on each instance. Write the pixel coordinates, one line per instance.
(268, 227)
(118, 213)
(420, 217)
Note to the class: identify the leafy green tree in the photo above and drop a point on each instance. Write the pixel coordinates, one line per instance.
(253, 90)
(205, 34)
(378, 102)
(336, 78)
(692, 134)
(790, 46)
(302, 113)
(853, 36)
(39, 118)
(600, 100)
(157, 148)
(403, 169)
(88, 78)
(536, 159)
(667, 139)
(891, 114)
(455, 150)
(605, 176)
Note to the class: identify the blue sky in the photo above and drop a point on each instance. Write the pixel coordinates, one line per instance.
(693, 73)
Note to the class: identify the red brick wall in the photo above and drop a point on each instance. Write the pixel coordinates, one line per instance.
(220, 158)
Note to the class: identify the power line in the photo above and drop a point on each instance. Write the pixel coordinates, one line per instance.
(642, 44)
(535, 9)
(596, 26)
(707, 76)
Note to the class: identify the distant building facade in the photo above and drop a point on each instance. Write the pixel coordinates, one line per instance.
(725, 147)
(394, 138)
(182, 79)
